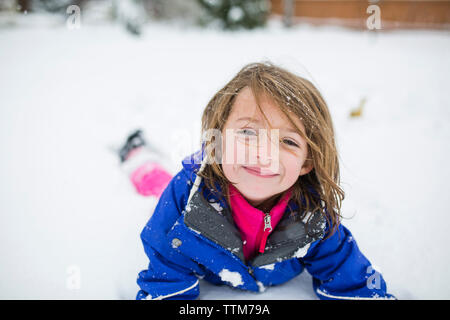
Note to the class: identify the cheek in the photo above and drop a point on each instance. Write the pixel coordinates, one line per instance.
(229, 151)
(229, 172)
(292, 165)
(237, 151)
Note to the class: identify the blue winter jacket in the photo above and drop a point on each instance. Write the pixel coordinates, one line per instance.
(200, 241)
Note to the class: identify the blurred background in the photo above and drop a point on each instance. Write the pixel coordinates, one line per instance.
(76, 77)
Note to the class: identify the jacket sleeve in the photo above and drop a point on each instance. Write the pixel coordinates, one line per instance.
(170, 275)
(341, 271)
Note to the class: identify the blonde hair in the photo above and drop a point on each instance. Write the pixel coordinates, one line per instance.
(295, 96)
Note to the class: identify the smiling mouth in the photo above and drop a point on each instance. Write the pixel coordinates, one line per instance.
(260, 172)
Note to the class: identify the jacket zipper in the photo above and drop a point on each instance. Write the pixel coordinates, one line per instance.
(266, 231)
(267, 222)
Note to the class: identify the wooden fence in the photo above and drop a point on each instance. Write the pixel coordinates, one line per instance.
(394, 14)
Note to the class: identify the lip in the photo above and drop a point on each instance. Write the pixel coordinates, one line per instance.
(256, 171)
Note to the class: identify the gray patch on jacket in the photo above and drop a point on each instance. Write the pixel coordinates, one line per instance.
(289, 236)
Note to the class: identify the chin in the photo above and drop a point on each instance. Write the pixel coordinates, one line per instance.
(255, 194)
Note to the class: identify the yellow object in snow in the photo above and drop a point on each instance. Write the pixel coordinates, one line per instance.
(358, 111)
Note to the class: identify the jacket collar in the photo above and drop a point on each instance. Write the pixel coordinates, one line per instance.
(250, 220)
(289, 239)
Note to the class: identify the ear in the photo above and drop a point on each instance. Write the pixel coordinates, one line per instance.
(307, 167)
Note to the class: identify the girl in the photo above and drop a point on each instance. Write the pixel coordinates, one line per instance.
(253, 214)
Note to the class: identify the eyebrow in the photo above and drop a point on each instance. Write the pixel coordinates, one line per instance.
(250, 119)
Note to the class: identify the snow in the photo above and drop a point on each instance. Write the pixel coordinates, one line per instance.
(299, 288)
(268, 266)
(216, 206)
(232, 277)
(261, 287)
(235, 14)
(301, 252)
(70, 216)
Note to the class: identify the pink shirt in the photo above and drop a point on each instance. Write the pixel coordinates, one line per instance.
(255, 225)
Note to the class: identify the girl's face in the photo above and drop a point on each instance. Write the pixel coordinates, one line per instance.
(261, 172)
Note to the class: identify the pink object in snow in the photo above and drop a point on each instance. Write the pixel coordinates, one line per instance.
(150, 179)
(251, 221)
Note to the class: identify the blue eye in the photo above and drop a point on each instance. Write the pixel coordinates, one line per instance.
(247, 132)
(290, 143)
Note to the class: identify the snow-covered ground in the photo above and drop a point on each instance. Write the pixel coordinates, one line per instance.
(68, 212)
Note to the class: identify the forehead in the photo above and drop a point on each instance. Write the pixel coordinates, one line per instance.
(245, 109)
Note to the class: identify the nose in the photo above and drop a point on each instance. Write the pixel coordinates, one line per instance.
(264, 158)
(265, 149)
(268, 152)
